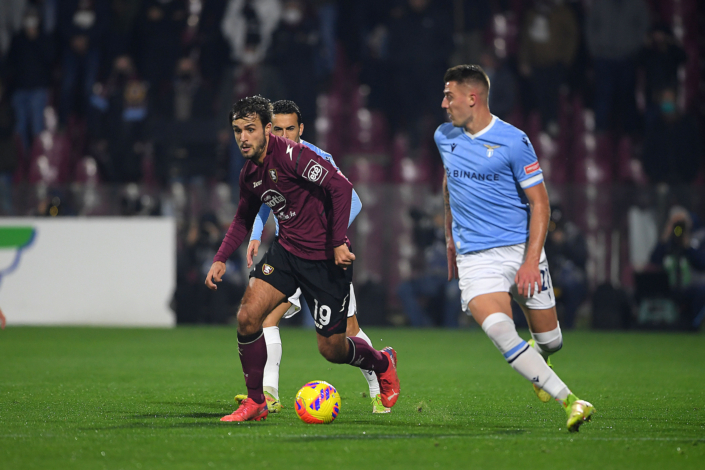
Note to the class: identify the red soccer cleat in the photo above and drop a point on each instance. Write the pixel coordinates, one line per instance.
(388, 380)
(248, 411)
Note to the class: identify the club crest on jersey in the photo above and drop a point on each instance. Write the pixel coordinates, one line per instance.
(491, 149)
(314, 172)
(267, 269)
(452, 147)
(273, 174)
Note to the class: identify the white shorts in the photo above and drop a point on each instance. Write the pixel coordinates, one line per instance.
(295, 301)
(493, 270)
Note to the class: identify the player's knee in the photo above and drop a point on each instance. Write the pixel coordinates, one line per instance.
(500, 328)
(549, 342)
(247, 320)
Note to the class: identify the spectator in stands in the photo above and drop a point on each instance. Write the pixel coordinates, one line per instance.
(213, 56)
(8, 152)
(160, 26)
(248, 26)
(420, 43)
(672, 148)
(118, 114)
(615, 32)
(681, 253)
(30, 62)
(185, 144)
(428, 297)
(660, 59)
(11, 15)
(502, 82)
(548, 43)
(191, 303)
(469, 30)
(82, 28)
(566, 250)
(123, 18)
(295, 44)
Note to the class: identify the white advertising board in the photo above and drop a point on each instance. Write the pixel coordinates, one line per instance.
(87, 271)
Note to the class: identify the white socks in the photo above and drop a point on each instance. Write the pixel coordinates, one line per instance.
(523, 359)
(270, 381)
(370, 376)
(549, 342)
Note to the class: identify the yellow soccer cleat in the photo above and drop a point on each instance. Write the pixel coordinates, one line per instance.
(579, 412)
(273, 404)
(541, 393)
(240, 398)
(378, 407)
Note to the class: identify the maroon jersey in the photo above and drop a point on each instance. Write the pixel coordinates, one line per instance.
(309, 196)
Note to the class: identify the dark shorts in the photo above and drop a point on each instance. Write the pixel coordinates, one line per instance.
(325, 286)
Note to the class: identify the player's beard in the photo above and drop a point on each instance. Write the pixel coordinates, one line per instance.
(256, 150)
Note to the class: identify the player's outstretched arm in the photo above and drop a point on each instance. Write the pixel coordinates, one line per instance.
(450, 244)
(528, 277)
(247, 210)
(215, 274)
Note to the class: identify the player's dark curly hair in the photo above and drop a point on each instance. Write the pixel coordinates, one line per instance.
(257, 104)
(287, 107)
(471, 74)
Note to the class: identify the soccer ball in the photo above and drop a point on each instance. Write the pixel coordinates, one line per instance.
(317, 402)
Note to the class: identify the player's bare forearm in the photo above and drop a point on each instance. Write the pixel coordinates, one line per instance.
(448, 213)
(450, 244)
(538, 227)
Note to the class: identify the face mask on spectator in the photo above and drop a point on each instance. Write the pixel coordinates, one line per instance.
(668, 107)
(292, 16)
(84, 19)
(30, 22)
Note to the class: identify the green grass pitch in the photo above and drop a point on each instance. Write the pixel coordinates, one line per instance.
(90, 398)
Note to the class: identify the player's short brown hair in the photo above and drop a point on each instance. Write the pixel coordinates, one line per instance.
(470, 74)
(257, 104)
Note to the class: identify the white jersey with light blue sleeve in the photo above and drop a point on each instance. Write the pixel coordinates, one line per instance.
(487, 173)
(261, 219)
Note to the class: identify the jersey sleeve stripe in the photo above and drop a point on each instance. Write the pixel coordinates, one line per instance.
(533, 181)
(296, 168)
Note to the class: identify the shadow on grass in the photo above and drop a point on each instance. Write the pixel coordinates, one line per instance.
(187, 415)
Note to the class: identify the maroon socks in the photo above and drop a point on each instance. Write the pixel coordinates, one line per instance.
(364, 356)
(253, 356)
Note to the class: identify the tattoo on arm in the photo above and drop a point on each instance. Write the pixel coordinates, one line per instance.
(446, 205)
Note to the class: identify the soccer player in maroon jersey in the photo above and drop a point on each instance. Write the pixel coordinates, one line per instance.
(311, 200)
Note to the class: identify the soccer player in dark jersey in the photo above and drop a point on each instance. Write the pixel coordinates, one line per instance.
(311, 201)
(286, 122)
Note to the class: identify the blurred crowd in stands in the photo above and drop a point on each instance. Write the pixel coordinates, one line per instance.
(120, 107)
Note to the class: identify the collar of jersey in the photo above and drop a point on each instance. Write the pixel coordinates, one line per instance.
(483, 131)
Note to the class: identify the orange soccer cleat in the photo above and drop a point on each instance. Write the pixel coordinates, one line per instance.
(248, 411)
(388, 380)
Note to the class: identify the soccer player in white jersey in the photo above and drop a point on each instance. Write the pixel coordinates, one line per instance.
(497, 213)
(286, 122)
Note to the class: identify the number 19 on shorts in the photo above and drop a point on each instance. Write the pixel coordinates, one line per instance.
(321, 316)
